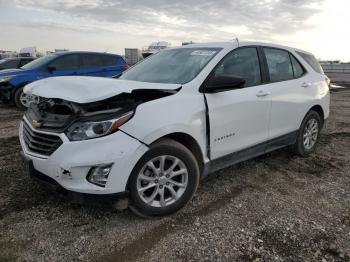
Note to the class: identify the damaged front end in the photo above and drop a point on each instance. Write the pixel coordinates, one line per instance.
(82, 121)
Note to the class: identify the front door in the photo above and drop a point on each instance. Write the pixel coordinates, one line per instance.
(239, 118)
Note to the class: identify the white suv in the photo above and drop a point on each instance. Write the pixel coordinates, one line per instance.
(172, 119)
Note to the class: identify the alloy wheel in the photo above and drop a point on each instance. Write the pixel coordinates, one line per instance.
(310, 134)
(26, 100)
(162, 181)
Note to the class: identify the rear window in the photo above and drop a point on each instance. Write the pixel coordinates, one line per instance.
(109, 60)
(92, 60)
(297, 68)
(312, 61)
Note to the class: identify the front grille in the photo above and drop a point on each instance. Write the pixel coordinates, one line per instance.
(39, 143)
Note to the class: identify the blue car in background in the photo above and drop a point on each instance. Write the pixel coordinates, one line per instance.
(12, 81)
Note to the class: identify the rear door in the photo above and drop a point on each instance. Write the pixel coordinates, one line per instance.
(239, 118)
(289, 86)
(113, 65)
(92, 65)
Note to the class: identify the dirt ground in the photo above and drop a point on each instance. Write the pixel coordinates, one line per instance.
(276, 207)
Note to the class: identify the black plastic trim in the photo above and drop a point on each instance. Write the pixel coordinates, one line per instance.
(250, 152)
(207, 126)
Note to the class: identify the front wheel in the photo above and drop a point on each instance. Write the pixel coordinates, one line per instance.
(22, 100)
(164, 180)
(308, 135)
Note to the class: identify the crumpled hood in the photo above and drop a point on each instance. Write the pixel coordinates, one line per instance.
(80, 89)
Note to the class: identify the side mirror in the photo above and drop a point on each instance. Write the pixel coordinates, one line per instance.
(224, 83)
(51, 69)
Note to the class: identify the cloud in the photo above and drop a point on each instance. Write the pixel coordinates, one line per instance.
(198, 20)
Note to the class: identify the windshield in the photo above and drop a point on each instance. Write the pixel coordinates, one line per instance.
(38, 62)
(173, 66)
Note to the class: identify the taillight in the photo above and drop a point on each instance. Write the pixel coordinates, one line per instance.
(328, 81)
(124, 67)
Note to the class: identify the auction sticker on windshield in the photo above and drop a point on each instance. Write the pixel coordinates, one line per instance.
(203, 52)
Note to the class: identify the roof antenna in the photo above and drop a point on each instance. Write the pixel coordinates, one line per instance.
(237, 40)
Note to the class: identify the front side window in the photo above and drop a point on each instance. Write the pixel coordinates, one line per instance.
(39, 63)
(279, 65)
(67, 62)
(173, 66)
(242, 63)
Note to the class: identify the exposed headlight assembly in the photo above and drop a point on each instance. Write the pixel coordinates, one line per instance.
(5, 79)
(89, 130)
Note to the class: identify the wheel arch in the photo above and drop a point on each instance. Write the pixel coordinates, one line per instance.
(16, 87)
(319, 110)
(190, 143)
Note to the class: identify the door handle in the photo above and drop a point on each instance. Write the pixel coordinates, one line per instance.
(262, 93)
(305, 85)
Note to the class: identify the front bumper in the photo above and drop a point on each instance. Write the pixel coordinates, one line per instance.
(71, 162)
(80, 198)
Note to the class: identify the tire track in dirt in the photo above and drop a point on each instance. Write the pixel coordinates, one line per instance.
(151, 238)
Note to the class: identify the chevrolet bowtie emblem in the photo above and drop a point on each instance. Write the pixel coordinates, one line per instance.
(36, 124)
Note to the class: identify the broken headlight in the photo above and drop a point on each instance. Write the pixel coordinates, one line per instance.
(89, 130)
(5, 79)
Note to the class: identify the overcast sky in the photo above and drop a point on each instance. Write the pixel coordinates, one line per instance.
(319, 26)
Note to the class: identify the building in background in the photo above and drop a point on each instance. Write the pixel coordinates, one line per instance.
(132, 56)
(154, 48)
(7, 54)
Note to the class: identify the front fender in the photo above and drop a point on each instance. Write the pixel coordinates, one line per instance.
(179, 113)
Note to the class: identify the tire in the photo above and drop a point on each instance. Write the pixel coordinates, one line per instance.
(17, 99)
(311, 121)
(159, 180)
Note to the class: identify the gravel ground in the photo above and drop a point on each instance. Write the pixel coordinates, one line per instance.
(276, 207)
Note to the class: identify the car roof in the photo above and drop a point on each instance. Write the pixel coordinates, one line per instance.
(82, 53)
(235, 44)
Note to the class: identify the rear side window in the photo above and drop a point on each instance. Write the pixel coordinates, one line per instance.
(109, 60)
(312, 61)
(92, 60)
(67, 62)
(297, 68)
(279, 65)
(243, 63)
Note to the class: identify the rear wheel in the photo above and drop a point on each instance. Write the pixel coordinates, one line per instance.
(164, 180)
(308, 135)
